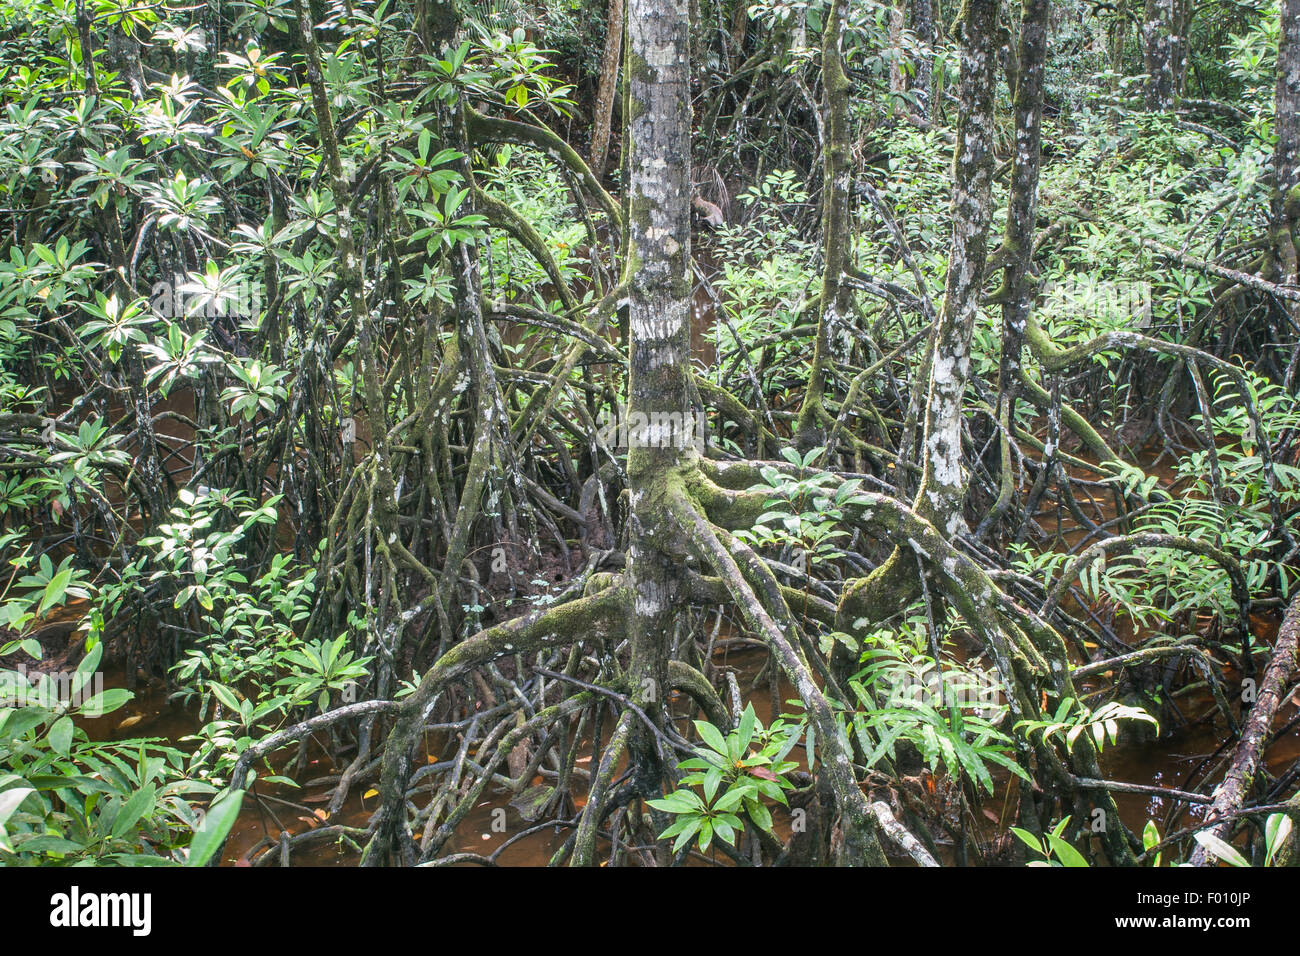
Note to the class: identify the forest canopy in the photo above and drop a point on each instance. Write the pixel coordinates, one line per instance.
(649, 433)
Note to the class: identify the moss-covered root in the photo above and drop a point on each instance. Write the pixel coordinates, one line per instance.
(686, 679)
(1027, 651)
(867, 602)
(584, 850)
(600, 616)
(543, 719)
(860, 845)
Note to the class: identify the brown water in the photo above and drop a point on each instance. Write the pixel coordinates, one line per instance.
(1178, 759)
(1170, 761)
(1167, 762)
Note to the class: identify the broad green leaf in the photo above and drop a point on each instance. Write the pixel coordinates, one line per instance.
(60, 736)
(212, 831)
(1220, 849)
(10, 800)
(141, 802)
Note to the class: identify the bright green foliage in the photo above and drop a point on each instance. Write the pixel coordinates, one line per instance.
(735, 775)
(1052, 847)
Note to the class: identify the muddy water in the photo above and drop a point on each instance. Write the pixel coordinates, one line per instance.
(1170, 761)
(1178, 759)
(1167, 762)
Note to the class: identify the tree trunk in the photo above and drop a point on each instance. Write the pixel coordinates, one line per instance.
(1286, 154)
(608, 87)
(1018, 242)
(1158, 53)
(922, 25)
(835, 295)
(1184, 12)
(897, 80)
(943, 484)
(661, 414)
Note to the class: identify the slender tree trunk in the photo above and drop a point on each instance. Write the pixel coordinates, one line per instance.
(739, 31)
(897, 80)
(1158, 53)
(605, 93)
(943, 484)
(835, 295)
(922, 24)
(661, 414)
(942, 492)
(1286, 154)
(1184, 11)
(1017, 292)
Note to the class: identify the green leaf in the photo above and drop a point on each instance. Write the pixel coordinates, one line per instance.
(212, 831)
(10, 800)
(679, 801)
(1150, 835)
(225, 695)
(706, 834)
(1028, 839)
(685, 836)
(55, 590)
(141, 802)
(1218, 848)
(730, 799)
(48, 844)
(60, 736)
(106, 702)
(746, 729)
(712, 780)
(1276, 829)
(711, 736)
(1067, 854)
(759, 814)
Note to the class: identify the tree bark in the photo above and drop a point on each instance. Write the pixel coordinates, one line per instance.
(943, 485)
(1158, 53)
(1018, 241)
(661, 413)
(607, 88)
(835, 295)
(1286, 154)
(922, 25)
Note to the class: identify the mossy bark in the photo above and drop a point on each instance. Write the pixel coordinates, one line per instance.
(661, 410)
(943, 483)
(1017, 293)
(1158, 53)
(836, 227)
(1286, 152)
